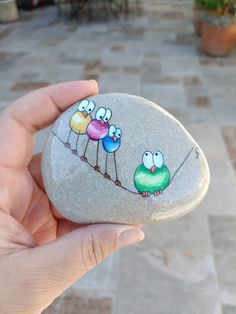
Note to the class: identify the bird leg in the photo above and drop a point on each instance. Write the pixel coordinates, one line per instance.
(145, 194)
(83, 158)
(67, 144)
(157, 193)
(75, 151)
(117, 182)
(106, 175)
(96, 167)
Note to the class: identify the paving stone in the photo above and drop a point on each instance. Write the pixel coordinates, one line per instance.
(29, 85)
(228, 309)
(93, 294)
(166, 281)
(167, 95)
(223, 231)
(192, 81)
(114, 83)
(226, 274)
(184, 65)
(191, 234)
(229, 135)
(4, 33)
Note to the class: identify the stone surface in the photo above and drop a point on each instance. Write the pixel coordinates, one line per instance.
(121, 158)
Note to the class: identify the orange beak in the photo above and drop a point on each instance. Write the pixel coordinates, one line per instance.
(101, 122)
(153, 169)
(85, 114)
(114, 138)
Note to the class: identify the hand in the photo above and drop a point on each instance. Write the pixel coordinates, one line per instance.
(41, 253)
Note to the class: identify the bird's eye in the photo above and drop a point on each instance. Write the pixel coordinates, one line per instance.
(118, 133)
(158, 159)
(107, 116)
(83, 105)
(90, 107)
(100, 113)
(148, 160)
(112, 130)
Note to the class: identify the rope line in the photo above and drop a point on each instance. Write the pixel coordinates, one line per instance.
(121, 186)
(88, 163)
(180, 166)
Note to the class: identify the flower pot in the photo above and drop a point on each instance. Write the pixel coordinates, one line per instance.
(218, 39)
(8, 11)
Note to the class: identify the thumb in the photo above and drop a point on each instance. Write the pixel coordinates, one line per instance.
(60, 263)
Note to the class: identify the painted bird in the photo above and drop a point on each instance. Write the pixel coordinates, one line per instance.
(152, 176)
(80, 121)
(97, 130)
(111, 143)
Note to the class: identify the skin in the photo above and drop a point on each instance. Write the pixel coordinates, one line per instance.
(41, 253)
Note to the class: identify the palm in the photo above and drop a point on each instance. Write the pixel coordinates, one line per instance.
(33, 275)
(35, 212)
(23, 195)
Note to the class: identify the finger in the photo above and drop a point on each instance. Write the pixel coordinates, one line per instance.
(40, 108)
(63, 261)
(65, 226)
(35, 170)
(35, 111)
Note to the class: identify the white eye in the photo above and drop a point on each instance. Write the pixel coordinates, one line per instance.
(90, 107)
(112, 130)
(118, 133)
(107, 116)
(82, 106)
(100, 113)
(158, 159)
(148, 160)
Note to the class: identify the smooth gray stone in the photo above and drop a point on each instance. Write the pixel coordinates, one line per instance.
(148, 188)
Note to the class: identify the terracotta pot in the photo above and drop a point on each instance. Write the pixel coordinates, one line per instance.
(8, 11)
(218, 41)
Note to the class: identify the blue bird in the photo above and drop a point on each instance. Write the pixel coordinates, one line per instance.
(111, 143)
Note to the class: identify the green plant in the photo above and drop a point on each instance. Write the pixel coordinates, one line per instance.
(217, 6)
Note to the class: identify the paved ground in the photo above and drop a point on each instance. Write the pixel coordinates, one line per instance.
(184, 266)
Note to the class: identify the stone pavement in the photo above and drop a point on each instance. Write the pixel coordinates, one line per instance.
(183, 266)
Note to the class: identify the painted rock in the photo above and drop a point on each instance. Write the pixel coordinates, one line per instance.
(121, 158)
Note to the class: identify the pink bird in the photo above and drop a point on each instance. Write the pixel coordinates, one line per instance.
(97, 129)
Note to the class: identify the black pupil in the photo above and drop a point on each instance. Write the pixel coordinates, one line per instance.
(100, 117)
(156, 154)
(146, 154)
(82, 108)
(89, 110)
(106, 119)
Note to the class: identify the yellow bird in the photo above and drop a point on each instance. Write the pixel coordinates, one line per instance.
(79, 122)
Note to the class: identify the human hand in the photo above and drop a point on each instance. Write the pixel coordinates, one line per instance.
(41, 253)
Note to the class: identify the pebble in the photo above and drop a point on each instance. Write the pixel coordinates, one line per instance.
(123, 159)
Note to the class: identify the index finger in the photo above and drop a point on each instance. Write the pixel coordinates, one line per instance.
(33, 112)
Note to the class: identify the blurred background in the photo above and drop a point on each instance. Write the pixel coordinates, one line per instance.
(181, 55)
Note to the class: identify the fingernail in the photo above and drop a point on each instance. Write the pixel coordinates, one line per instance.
(131, 236)
(93, 81)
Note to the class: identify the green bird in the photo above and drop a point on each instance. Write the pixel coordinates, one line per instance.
(152, 176)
